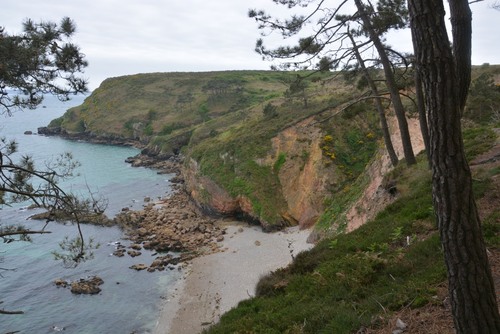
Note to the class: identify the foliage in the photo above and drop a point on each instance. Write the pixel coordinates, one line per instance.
(483, 103)
(297, 89)
(477, 140)
(270, 110)
(326, 46)
(75, 246)
(352, 141)
(169, 128)
(184, 99)
(279, 162)
(22, 181)
(348, 280)
(340, 38)
(41, 60)
(345, 282)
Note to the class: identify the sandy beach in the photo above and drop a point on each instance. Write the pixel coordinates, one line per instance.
(215, 283)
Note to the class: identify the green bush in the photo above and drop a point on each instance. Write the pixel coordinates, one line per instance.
(279, 162)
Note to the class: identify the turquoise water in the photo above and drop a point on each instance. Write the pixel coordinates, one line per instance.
(129, 300)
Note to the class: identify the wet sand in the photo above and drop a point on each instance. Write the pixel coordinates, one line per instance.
(215, 283)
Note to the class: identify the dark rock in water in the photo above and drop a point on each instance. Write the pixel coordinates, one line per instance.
(53, 131)
(177, 179)
(28, 132)
(88, 286)
(139, 266)
(136, 246)
(133, 253)
(119, 252)
(61, 283)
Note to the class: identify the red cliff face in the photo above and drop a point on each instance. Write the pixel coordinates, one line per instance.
(305, 179)
(212, 197)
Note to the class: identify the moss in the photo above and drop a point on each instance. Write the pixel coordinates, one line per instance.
(279, 162)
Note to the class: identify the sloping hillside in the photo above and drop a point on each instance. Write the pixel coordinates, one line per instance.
(253, 146)
(386, 276)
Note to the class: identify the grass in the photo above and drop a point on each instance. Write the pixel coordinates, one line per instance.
(346, 281)
(226, 131)
(477, 140)
(352, 280)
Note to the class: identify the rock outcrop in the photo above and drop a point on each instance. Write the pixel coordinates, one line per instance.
(107, 139)
(171, 225)
(214, 199)
(305, 180)
(88, 286)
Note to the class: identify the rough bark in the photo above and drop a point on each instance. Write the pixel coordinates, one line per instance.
(378, 103)
(391, 84)
(422, 117)
(461, 24)
(471, 288)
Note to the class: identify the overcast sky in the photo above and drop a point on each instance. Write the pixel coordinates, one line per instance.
(121, 37)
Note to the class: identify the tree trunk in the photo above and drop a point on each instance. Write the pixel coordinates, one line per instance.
(471, 287)
(378, 103)
(422, 117)
(461, 24)
(391, 84)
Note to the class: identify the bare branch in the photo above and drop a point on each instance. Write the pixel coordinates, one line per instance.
(11, 312)
(22, 232)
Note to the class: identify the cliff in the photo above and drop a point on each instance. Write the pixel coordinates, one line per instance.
(252, 148)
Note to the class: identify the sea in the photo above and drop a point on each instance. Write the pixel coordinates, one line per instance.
(130, 300)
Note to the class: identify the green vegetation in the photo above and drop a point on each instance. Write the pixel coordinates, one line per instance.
(353, 280)
(349, 280)
(478, 139)
(226, 121)
(279, 162)
(346, 281)
(483, 103)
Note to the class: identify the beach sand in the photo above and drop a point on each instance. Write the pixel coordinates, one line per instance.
(215, 283)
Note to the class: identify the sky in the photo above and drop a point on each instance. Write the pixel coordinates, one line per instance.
(122, 37)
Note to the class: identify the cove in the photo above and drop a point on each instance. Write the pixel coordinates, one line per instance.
(129, 300)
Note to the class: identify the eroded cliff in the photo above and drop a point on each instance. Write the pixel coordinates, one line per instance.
(304, 173)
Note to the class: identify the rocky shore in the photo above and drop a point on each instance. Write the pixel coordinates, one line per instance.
(210, 251)
(173, 227)
(88, 137)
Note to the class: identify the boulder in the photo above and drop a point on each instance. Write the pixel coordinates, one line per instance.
(88, 286)
(139, 267)
(119, 252)
(136, 247)
(133, 253)
(61, 283)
